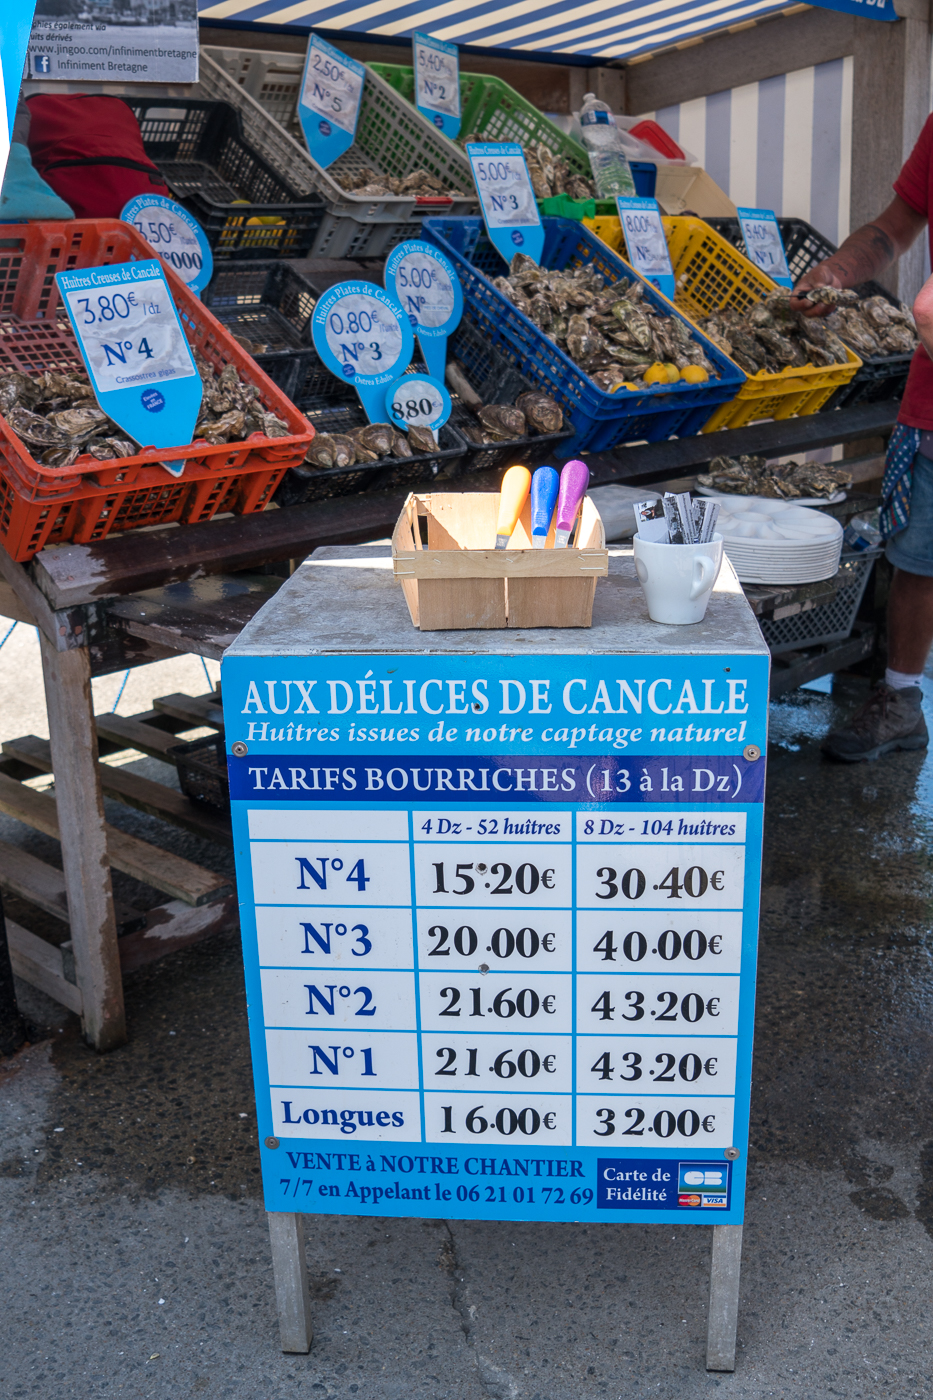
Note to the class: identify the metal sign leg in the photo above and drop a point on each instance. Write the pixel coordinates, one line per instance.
(724, 1297)
(292, 1298)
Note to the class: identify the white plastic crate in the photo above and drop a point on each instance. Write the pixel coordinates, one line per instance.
(833, 621)
(272, 79)
(392, 137)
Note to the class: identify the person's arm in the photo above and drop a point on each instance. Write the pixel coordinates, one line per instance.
(923, 315)
(865, 253)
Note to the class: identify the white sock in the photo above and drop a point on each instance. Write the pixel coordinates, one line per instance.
(899, 680)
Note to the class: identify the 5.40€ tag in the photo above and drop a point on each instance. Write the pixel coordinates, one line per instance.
(135, 351)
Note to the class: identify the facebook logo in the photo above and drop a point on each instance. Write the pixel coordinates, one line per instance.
(41, 63)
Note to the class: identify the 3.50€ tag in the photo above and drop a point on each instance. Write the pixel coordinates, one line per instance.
(174, 235)
(507, 199)
(437, 82)
(135, 351)
(426, 286)
(764, 245)
(646, 241)
(364, 338)
(329, 103)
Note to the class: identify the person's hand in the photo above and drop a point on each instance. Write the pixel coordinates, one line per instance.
(823, 275)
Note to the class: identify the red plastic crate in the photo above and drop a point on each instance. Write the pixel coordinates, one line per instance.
(50, 505)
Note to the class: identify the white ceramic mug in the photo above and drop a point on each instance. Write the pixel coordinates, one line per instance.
(677, 579)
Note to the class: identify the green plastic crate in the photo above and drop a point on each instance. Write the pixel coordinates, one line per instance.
(496, 112)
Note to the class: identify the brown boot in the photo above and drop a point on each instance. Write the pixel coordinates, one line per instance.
(889, 719)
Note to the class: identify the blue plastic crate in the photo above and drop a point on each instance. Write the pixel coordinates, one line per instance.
(601, 420)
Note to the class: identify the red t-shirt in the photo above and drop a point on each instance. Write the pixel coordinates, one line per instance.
(915, 187)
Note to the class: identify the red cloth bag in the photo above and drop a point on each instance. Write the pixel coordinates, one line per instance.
(89, 149)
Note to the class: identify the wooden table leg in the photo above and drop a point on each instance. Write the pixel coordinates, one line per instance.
(724, 1297)
(292, 1298)
(67, 676)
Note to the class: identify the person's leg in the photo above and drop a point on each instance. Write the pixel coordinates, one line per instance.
(910, 622)
(892, 717)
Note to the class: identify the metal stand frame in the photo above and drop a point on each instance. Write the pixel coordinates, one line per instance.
(293, 1300)
(725, 1271)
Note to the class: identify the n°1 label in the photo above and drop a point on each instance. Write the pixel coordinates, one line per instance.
(507, 199)
(764, 245)
(646, 241)
(135, 351)
(329, 105)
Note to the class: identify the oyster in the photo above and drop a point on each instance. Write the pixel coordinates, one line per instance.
(344, 450)
(542, 413)
(422, 439)
(34, 429)
(501, 423)
(321, 451)
(375, 437)
(400, 445)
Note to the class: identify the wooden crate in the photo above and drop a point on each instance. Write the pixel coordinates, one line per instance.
(460, 580)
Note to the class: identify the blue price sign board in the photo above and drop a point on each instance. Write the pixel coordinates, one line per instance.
(764, 245)
(646, 241)
(417, 400)
(329, 101)
(426, 286)
(499, 914)
(507, 199)
(364, 338)
(174, 236)
(437, 82)
(135, 351)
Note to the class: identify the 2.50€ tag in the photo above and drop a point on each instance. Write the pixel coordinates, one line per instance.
(135, 351)
(329, 103)
(364, 338)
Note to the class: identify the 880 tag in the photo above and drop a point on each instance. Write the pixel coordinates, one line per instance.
(417, 401)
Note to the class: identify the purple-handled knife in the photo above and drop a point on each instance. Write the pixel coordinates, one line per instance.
(574, 479)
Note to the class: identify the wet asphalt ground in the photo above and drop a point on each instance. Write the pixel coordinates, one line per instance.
(134, 1256)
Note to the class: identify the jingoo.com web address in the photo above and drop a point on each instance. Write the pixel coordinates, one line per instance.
(120, 51)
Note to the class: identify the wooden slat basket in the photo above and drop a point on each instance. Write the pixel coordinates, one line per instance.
(458, 579)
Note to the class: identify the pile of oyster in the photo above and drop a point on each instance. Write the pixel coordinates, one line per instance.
(58, 418)
(550, 174)
(785, 481)
(532, 412)
(364, 445)
(418, 183)
(871, 326)
(771, 336)
(230, 408)
(610, 331)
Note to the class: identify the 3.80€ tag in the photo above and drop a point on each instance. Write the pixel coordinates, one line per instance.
(135, 351)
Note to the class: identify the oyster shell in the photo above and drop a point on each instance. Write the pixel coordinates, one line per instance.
(542, 413)
(502, 423)
(321, 451)
(422, 439)
(375, 437)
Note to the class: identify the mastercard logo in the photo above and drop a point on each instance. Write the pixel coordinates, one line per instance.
(688, 1200)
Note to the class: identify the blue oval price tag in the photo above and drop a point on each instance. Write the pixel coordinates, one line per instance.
(437, 82)
(174, 236)
(507, 199)
(329, 101)
(426, 286)
(364, 338)
(417, 401)
(135, 351)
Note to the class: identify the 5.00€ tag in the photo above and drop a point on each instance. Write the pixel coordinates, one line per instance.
(135, 351)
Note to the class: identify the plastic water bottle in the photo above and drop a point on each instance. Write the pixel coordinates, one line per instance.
(862, 532)
(611, 170)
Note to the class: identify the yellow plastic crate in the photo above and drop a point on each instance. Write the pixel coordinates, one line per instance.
(711, 275)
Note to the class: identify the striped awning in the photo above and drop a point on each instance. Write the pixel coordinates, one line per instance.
(574, 29)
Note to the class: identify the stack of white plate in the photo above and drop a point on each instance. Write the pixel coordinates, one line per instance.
(771, 541)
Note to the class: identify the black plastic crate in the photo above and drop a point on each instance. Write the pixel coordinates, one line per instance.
(496, 380)
(885, 376)
(268, 304)
(211, 169)
(339, 415)
(202, 771)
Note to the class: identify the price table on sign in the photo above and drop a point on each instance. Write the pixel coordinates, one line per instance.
(764, 245)
(437, 82)
(499, 905)
(507, 199)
